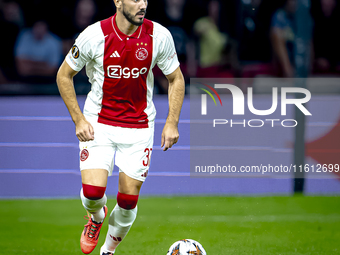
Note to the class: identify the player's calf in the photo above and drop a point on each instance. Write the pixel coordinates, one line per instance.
(120, 221)
(94, 200)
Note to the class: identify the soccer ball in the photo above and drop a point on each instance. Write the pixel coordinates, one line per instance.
(186, 247)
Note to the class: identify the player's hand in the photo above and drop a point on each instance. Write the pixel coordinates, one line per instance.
(84, 130)
(170, 136)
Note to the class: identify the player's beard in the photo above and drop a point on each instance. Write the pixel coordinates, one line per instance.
(130, 18)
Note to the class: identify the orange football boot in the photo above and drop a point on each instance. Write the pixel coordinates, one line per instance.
(90, 235)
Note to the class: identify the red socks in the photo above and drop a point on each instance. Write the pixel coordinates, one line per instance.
(126, 201)
(93, 192)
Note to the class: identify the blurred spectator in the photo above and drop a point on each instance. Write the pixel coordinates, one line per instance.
(174, 12)
(282, 37)
(253, 42)
(84, 14)
(326, 40)
(11, 21)
(173, 18)
(217, 50)
(254, 51)
(178, 13)
(38, 54)
(203, 31)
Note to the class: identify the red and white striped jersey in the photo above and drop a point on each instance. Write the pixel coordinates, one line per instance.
(119, 68)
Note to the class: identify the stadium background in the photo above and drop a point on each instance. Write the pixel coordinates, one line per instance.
(38, 148)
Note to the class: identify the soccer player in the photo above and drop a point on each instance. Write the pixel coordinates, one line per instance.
(117, 123)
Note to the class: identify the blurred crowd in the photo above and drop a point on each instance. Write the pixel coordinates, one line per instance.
(213, 38)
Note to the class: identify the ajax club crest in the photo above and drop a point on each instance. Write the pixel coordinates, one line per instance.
(141, 54)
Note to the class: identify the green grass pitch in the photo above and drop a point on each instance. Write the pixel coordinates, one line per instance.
(223, 225)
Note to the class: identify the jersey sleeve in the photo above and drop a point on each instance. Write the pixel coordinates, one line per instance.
(167, 60)
(81, 52)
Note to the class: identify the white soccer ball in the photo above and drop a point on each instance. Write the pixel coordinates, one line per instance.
(186, 247)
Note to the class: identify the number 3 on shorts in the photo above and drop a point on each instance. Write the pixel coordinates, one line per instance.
(146, 161)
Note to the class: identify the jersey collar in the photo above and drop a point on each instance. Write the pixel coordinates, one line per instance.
(123, 36)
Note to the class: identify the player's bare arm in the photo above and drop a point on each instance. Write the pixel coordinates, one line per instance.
(84, 130)
(176, 93)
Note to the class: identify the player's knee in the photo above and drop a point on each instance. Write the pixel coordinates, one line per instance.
(126, 201)
(93, 192)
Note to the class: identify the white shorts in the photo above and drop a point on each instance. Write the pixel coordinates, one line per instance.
(129, 149)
